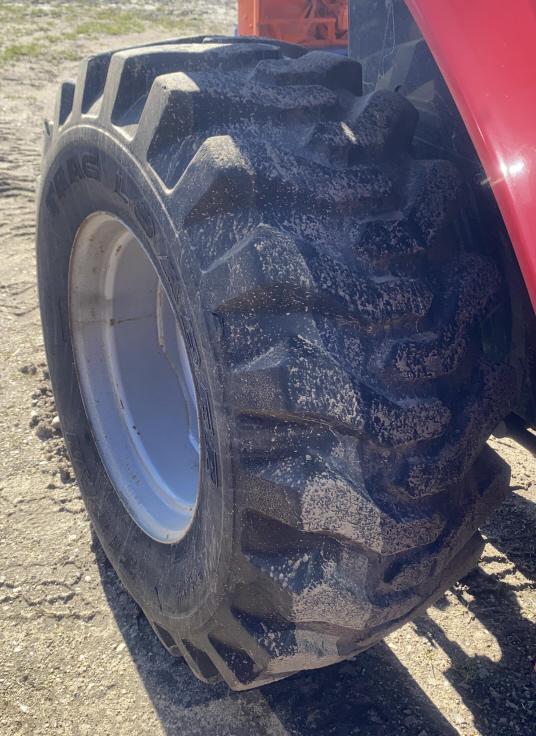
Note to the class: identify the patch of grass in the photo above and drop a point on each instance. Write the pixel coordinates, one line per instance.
(178, 25)
(67, 54)
(53, 31)
(109, 23)
(10, 12)
(18, 51)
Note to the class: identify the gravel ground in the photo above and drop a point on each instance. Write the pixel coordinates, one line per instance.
(76, 654)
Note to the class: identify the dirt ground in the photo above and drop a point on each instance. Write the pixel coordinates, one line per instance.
(76, 655)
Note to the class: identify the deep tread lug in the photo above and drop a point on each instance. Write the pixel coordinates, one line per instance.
(218, 180)
(377, 125)
(308, 494)
(64, 104)
(90, 84)
(316, 67)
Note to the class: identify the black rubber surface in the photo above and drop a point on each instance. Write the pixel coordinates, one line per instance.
(334, 316)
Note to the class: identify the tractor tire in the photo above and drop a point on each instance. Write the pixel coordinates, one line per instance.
(337, 326)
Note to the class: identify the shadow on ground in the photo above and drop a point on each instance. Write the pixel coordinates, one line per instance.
(501, 695)
(374, 694)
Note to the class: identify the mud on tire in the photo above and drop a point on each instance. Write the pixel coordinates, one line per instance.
(336, 323)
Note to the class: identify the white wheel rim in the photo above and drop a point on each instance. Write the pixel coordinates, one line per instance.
(135, 377)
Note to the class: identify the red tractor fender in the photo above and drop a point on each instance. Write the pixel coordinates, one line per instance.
(485, 50)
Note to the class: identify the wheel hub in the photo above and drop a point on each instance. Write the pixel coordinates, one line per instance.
(135, 377)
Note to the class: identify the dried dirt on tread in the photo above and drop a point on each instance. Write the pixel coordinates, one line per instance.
(76, 655)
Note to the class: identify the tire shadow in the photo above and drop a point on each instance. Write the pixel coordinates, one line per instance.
(501, 695)
(371, 695)
(512, 530)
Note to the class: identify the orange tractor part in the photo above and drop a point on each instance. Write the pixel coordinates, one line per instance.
(315, 23)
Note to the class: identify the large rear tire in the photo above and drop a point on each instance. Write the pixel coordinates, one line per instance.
(335, 324)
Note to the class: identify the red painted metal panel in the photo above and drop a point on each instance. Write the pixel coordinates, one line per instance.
(485, 50)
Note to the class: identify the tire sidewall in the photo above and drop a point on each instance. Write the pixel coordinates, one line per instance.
(88, 171)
